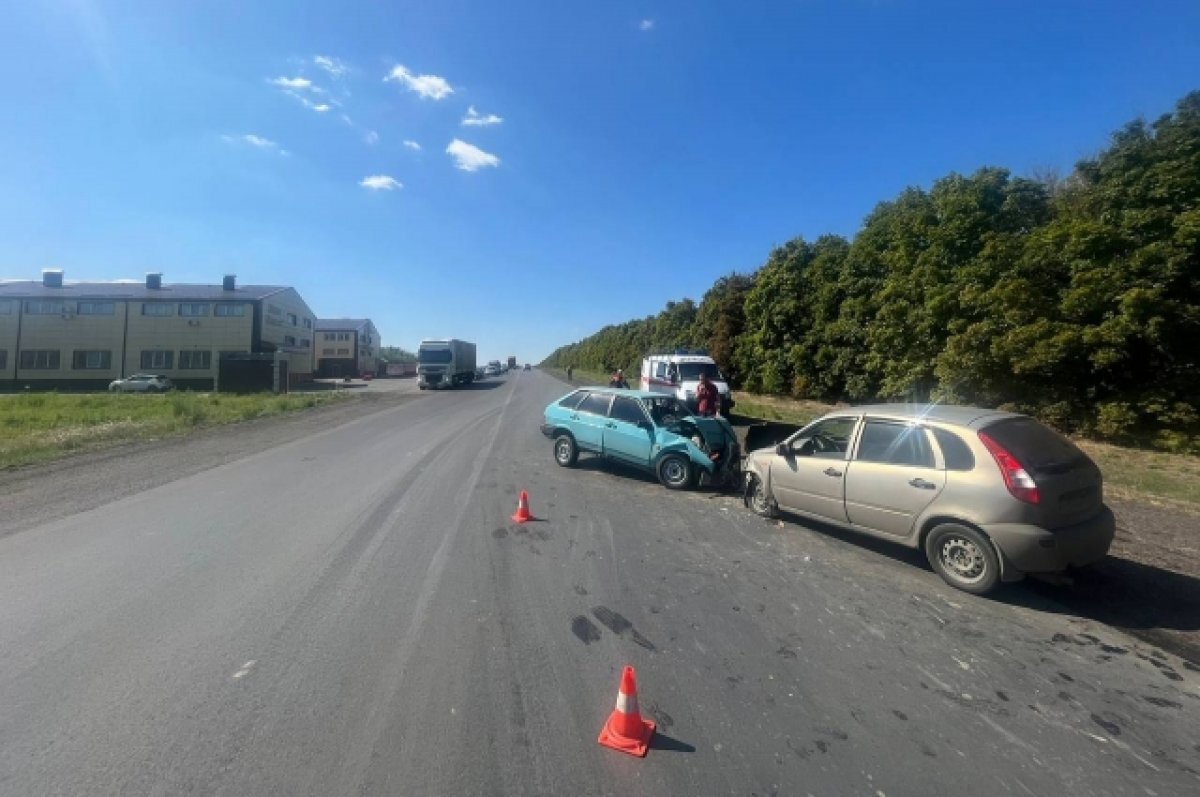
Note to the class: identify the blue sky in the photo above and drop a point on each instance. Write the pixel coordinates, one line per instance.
(642, 148)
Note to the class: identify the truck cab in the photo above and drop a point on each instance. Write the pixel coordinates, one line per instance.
(677, 373)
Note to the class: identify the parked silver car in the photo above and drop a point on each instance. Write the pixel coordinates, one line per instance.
(140, 383)
(988, 495)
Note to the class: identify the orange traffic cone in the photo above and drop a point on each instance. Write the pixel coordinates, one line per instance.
(626, 730)
(522, 514)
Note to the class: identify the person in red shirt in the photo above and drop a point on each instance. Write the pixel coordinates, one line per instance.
(707, 397)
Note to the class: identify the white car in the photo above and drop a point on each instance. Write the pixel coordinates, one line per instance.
(492, 370)
(140, 383)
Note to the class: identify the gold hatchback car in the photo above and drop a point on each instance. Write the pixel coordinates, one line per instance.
(988, 495)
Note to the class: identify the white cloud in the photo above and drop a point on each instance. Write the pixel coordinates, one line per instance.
(258, 142)
(294, 83)
(408, 142)
(322, 108)
(428, 86)
(371, 137)
(475, 119)
(469, 157)
(380, 182)
(334, 66)
(646, 24)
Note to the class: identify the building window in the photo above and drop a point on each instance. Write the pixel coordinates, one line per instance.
(158, 359)
(230, 310)
(158, 309)
(3, 358)
(289, 340)
(306, 343)
(343, 336)
(292, 319)
(194, 360)
(6, 308)
(96, 308)
(273, 310)
(43, 306)
(343, 351)
(39, 360)
(308, 323)
(328, 351)
(91, 360)
(194, 309)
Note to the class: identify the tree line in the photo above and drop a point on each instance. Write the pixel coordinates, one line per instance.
(1075, 299)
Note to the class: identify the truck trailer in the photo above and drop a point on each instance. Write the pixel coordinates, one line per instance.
(445, 363)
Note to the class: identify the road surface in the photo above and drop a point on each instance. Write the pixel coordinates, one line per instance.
(348, 610)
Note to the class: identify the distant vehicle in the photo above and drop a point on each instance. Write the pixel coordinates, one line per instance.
(492, 370)
(140, 383)
(526, 366)
(512, 362)
(401, 369)
(445, 363)
(988, 495)
(678, 373)
(480, 373)
(367, 376)
(650, 431)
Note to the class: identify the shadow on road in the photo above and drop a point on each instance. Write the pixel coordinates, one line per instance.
(1159, 606)
(668, 744)
(599, 465)
(487, 385)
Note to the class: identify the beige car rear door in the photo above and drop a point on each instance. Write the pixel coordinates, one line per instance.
(894, 475)
(809, 477)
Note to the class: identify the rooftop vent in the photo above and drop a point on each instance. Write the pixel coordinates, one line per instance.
(230, 282)
(52, 277)
(154, 280)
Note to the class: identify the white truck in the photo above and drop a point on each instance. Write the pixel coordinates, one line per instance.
(677, 374)
(445, 363)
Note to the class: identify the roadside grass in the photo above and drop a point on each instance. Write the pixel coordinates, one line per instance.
(1131, 473)
(43, 426)
(580, 376)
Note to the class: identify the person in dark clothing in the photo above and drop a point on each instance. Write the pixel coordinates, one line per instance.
(618, 380)
(570, 372)
(708, 398)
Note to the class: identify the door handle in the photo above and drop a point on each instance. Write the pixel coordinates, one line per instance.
(835, 473)
(921, 483)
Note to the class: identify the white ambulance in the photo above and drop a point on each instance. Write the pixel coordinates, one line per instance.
(678, 373)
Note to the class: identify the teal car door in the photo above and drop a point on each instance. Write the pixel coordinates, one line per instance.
(588, 420)
(626, 436)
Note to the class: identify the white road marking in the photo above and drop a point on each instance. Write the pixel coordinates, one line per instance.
(245, 669)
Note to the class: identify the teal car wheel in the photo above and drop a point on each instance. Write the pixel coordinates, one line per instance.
(566, 453)
(676, 472)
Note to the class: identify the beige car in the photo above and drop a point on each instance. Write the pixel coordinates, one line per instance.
(988, 495)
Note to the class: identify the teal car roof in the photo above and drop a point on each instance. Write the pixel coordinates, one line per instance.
(617, 391)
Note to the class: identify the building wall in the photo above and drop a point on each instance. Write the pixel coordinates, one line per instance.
(177, 333)
(368, 349)
(66, 332)
(287, 325)
(9, 319)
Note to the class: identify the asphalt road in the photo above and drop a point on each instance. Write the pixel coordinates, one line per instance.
(349, 610)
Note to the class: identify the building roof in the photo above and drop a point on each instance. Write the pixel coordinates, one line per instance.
(137, 291)
(330, 324)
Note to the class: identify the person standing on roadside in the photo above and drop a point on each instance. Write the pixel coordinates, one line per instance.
(707, 397)
(618, 380)
(570, 371)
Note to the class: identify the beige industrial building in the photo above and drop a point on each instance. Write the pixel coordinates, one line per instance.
(346, 347)
(82, 335)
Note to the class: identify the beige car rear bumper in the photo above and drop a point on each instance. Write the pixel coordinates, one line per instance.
(1031, 549)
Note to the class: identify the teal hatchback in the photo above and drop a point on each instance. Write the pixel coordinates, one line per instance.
(651, 431)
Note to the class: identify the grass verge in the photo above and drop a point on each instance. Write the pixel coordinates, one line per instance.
(43, 426)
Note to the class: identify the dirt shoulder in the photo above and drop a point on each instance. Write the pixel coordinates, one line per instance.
(41, 493)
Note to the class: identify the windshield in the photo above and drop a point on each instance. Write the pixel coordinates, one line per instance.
(665, 410)
(690, 372)
(434, 356)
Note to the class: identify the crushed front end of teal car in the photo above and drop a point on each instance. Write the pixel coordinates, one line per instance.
(651, 431)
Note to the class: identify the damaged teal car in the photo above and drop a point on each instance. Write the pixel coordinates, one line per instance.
(651, 431)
